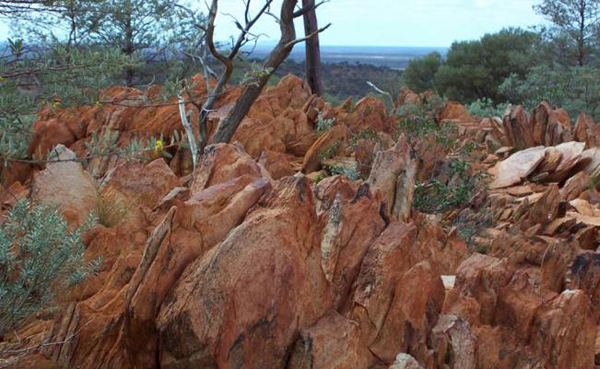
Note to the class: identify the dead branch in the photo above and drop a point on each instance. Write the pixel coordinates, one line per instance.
(188, 130)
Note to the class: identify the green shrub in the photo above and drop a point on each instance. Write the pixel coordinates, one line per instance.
(475, 69)
(437, 195)
(350, 173)
(576, 89)
(419, 119)
(39, 256)
(324, 124)
(486, 108)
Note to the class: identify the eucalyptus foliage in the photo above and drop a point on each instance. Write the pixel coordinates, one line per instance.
(576, 89)
(39, 256)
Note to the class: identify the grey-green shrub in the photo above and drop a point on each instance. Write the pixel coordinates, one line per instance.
(39, 255)
(486, 108)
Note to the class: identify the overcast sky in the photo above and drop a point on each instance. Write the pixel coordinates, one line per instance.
(406, 22)
(393, 22)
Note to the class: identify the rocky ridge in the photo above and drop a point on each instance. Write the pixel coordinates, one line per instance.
(263, 259)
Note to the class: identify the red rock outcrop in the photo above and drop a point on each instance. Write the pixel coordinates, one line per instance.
(247, 263)
(243, 303)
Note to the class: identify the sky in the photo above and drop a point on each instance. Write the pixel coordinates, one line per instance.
(427, 23)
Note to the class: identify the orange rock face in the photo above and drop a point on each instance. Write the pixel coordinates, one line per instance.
(241, 304)
(248, 263)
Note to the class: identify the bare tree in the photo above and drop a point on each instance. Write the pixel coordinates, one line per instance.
(314, 72)
(254, 87)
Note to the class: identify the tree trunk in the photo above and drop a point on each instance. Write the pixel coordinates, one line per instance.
(314, 72)
(129, 48)
(229, 125)
(581, 39)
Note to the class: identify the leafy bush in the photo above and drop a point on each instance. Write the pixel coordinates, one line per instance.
(486, 108)
(475, 69)
(52, 76)
(39, 256)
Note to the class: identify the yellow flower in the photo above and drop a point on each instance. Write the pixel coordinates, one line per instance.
(158, 148)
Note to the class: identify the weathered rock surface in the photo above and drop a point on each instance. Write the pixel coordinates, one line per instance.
(243, 303)
(66, 184)
(248, 264)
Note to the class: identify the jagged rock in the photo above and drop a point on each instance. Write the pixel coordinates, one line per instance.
(390, 256)
(393, 175)
(575, 186)
(367, 149)
(551, 160)
(518, 129)
(582, 126)
(570, 156)
(564, 332)
(585, 276)
(406, 96)
(454, 343)
(221, 163)
(369, 113)
(417, 303)
(350, 225)
(334, 342)
(147, 184)
(244, 302)
(327, 145)
(454, 110)
(592, 158)
(546, 208)
(277, 164)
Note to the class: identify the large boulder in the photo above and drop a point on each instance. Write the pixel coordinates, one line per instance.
(66, 184)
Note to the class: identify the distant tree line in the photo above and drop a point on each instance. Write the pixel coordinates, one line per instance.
(558, 63)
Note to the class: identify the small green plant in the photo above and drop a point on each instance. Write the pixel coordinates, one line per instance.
(321, 177)
(350, 173)
(486, 108)
(39, 256)
(420, 119)
(471, 225)
(323, 124)
(438, 196)
(255, 73)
